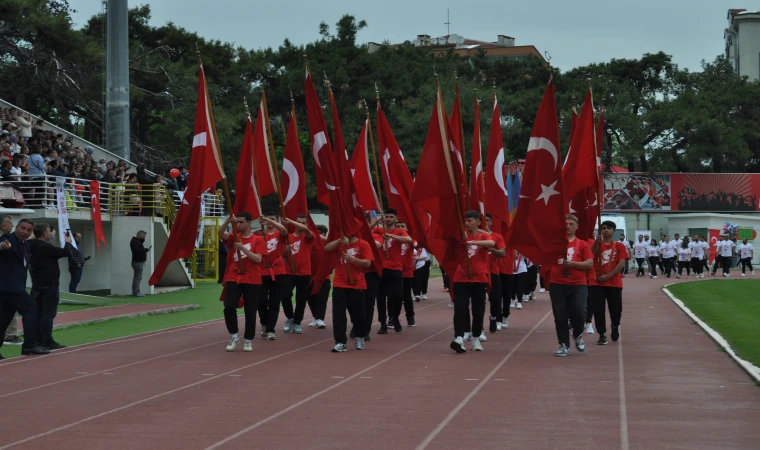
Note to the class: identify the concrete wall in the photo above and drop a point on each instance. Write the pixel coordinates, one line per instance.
(749, 46)
(681, 223)
(123, 229)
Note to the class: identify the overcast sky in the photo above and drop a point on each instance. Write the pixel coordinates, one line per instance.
(574, 32)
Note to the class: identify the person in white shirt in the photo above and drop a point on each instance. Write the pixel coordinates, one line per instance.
(627, 244)
(640, 253)
(697, 256)
(520, 274)
(677, 241)
(653, 254)
(684, 258)
(746, 253)
(668, 254)
(421, 273)
(726, 252)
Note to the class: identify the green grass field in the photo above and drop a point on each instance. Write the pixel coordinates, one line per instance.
(730, 307)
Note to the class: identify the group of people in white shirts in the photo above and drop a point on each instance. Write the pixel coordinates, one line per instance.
(673, 256)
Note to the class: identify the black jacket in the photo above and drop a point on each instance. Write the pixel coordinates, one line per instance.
(12, 267)
(139, 252)
(44, 266)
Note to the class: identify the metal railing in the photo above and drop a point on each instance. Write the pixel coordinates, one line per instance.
(40, 192)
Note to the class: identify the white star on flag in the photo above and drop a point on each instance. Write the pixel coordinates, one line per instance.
(547, 192)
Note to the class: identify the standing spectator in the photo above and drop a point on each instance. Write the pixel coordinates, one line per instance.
(24, 125)
(76, 264)
(46, 278)
(139, 256)
(10, 336)
(182, 178)
(14, 265)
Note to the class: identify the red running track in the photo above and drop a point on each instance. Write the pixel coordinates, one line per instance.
(663, 385)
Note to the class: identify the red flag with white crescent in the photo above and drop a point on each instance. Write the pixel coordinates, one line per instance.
(362, 175)
(477, 184)
(95, 208)
(247, 197)
(496, 196)
(264, 167)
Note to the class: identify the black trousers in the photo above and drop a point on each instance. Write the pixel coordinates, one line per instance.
(46, 299)
(519, 286)
(301, 285)
(232, 293)
(495, 297)
(640, 263)
(446, 280)
(684, 265)
(726, 263)
(717, 263)
(370, 295)
(696, 266)
(10, 303)
(507, 284)
(464, 294)
(669, 267)
(589, 306)
(318, 302)
(613, 297)
(568, 302)
(421, 277)
(390, 294)
(653, 265)
(408, 300)
(531, 278)
(746, 262)
(351, 300)
(269, 303)
(541, 280)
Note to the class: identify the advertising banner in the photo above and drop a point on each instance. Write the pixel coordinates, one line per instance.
(636, 192)
(716, 192)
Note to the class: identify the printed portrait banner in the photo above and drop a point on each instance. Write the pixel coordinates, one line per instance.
(63, 214)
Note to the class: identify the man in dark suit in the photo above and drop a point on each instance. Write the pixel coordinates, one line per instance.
(14, 265)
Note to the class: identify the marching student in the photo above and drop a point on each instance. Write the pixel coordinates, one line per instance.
(299, 277)
(640, 253)
(469, 285)
(718, 260)
(495, 298)
(531, 281)
(273, 276)
(727, 250)
(407, 272)
(520, 273)
(705, 261)
(568, 289)
(668, 253)
(627, 245)
(371, 278)
(746, 253)
(236, 283)
(348, 289)
(684, 258)
(653, 253)
(421, 273)
(607, 285)
(697, 256)
(390, 288)
(318, 302)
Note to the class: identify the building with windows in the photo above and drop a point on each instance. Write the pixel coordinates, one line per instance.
(503, 47)
(743, 42)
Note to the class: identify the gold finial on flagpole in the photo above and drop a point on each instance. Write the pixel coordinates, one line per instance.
(548, 63)
(245, 104)
(198, 53)
(292, 102)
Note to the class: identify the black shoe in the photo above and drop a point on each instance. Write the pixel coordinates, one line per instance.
(1, 357)
(383, 329)
(410, 322)
(353, 335)
(397, 326)
(37, 350)
(390, 322)
(367, 338)
(53, 345)
(615, 334)
(602, 340)
(492, 325)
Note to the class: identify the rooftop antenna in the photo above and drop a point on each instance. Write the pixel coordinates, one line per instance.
(448, 22)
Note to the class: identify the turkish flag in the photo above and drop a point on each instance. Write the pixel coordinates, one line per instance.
(362, 175)
(580, 168)
(206, 171)
(95, 208)
(496, 196)
(264, 168)
(538, 230)
(456, 139)
(593, 194)
(477, 184)
(398, 182)
(247, 197)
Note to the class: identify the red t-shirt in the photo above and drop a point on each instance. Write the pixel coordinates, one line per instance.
(478, 262)
(394, 261)
(407, 260)
(252, 273)
(577, 251)
(495, 261)
(359, 249)
(273, 263)
(507, 263)
(300, 251)
(611, 255)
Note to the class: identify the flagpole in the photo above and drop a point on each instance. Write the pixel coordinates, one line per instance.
(273, 160)
(598, 181)
(377, 176)
(349, 275)
(461, 132)
(221, 163)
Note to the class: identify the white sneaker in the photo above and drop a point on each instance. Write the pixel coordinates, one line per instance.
(753, 273)
(313, 323)
(339, 348)
(475, 344)
(505, 323)
(458, 345)
(725, 275)
(589, 329)
(542, 290)
(744, 274)
(519, 305)
(263, 332)
(288, 325)
(321, 324)
(359, 343)
(424, 296)
(498, 326)
(533, 295)
(467, 335)
(482, 337)
(417, 298)
(655, 277)
(451, 304)
(526, 298)
(232, 344)
(512, 304)
(247, 346)
(270, 337)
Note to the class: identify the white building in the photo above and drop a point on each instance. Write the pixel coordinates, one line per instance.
(743, 42)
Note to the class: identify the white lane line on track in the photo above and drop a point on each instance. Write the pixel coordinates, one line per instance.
(624, 445)
(477, 388)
